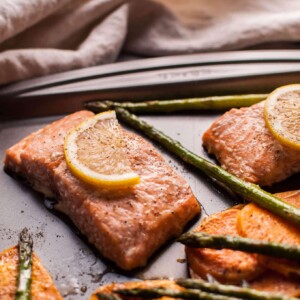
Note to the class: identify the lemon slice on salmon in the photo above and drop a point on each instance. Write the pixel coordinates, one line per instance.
(96, 153)
(282, 115)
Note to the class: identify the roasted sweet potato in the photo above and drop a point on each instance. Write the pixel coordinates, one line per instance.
(258, 223)
(42, 287)
(276, 283)
(227, 266)
(108, 289)
(291, 197)
(287, 268)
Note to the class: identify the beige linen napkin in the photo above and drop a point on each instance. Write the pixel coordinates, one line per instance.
(40, 37)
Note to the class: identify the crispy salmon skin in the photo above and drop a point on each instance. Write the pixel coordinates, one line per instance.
(244, 146)
(127, 225)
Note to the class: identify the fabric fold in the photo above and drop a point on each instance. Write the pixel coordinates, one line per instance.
(102, 45)
(41, 37)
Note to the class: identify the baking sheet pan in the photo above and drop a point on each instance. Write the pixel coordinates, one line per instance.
(75, 266)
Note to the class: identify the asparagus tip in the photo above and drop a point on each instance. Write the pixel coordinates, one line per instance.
(25, 237)
(98, 106)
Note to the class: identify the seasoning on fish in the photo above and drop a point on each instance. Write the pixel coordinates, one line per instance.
(245, 147)
(125, 225)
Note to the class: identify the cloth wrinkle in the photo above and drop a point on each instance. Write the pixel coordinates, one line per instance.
(41, 37)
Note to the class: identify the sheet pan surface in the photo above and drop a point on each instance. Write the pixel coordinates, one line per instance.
(74, 264)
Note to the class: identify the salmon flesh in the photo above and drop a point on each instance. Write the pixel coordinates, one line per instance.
(245, 147)
(126, 225)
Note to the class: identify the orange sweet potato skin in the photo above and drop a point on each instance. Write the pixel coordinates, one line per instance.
(108, 289)
(8, 273)
(227, 266)
(42, 287)
(269, 281)
(258, 223)
(276, 283)
(279, 275)
(289, 269)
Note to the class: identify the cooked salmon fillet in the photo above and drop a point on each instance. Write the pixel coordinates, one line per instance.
(42, 286)
(126, 226)
(244, 146)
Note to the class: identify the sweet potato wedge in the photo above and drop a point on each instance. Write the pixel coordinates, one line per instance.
(291, 197)
(42, 287)
(227, 266)
(276, 283)
(108, 289)
(287, 268)
(258, 223)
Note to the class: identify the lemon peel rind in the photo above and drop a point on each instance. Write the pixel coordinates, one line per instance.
(106, 181)
(87, 175)
(276, 128)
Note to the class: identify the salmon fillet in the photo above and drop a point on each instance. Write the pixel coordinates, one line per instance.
(126, 226)
(244, 146)
(42, 286)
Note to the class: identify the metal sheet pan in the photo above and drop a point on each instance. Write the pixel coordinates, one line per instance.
(72, 262)
(151, 64)
(171, 77)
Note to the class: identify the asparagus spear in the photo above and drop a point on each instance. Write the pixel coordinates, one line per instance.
(152, 293)
(25, 265)
(105, 296)
(250, 191)
(204, 240)
(231, 290)
(167, 106)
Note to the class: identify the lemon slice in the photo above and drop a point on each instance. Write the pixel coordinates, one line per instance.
(282, 115)
(96, 153)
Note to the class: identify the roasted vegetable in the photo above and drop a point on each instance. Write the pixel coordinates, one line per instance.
(218, 241)
(194, 289)
(25, 265)
(153, 293)
(258, 223)
(273, 282)
(288, 268)
(248, 190)
(229, 290)
(227, 266)
(106, 292)
(41, 287)
(192, 104)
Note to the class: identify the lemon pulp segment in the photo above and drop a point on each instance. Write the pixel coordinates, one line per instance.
(96, 153)
(282, 115)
